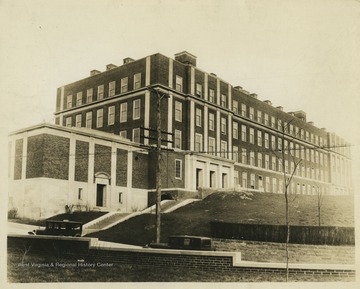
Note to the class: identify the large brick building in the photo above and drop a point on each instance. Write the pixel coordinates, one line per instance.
(98, 153)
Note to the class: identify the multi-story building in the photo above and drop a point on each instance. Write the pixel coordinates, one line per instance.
(219, 137)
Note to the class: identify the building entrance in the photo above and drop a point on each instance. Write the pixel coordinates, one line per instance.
(100, 192)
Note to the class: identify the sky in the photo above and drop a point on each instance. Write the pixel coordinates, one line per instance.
(302, 55)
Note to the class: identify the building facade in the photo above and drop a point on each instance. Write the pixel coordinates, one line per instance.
(219, 136)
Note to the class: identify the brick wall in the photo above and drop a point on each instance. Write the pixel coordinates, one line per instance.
(18, 159)
(81, 161)
(102, 159)
(121, 167)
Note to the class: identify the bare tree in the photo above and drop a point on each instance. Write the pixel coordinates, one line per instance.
(320, 200)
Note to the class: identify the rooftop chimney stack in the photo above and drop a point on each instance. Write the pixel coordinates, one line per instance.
(186, 58)
(128, 60)
(94, 72)
(110, 66)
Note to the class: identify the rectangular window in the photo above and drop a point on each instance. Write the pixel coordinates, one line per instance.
(212, 95)
(89, 119)
(211, 121)
(80, 193)
(243, 133)
(178, 169)
(223, 149)
(260, 160)
(252, 181)
(78, 120)
(243, 110)
(259, 116)
(100, 92)
(235, 107)
(291, 129)
(178, 111)
(273, 122)
(235, 154)
(112, 88)
(177, 143)
(198, 89)
(266, 136)
(266, 119)
(243, 156)
(124, 84)
(198, 117)
(244, 180)
(252, 158)
(274, 189)
(286, 146)
(111, 115)
(273, 142)
(69, 101)
(212, 149)
(267, 184)
(223, 100)
(79, 98)
(68, 121)
(198, 142)
(251, 113)
(137, 80)
(251, 136)
(279, 144)
(89, 95)
(99, 118)
(223, 125)
(120, 198)
(235, 130)
(136, 135)
(297, 150)
(123, 112)
(267, 162)
(179, 83)
(123, 133)
(136, 109)
(259, 138)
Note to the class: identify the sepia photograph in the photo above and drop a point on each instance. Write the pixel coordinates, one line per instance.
(180, 143)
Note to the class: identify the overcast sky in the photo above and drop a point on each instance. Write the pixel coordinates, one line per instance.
(302, 55)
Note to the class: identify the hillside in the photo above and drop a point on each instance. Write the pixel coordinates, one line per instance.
(258, 208)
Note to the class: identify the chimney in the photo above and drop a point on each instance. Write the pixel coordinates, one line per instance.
(213, 74)
(186, 58)
(268, 102)
(300, 115)
(128, 60)
(254, 95)
(311, 122)
(280, 107)
(94, 72)
(110, 66)
(238, 88)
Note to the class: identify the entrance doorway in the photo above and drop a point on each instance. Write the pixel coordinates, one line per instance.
(199, 178)
(100, 192)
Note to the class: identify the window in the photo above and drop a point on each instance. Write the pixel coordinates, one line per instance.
(211, 121)
(198, 89)
(252, 158)
(78, 120)
(266, 119)
(251, 113)
(112, 88)
(267, 163)
(259, 116)
(179, 83)
(89, 95)
(177, 142)
(260, 160)
(286, 146)
(274, 185)
(198, 142)
(243, 156)
(311, 138)
(273, 122)
(243, 110)
(273, 142)
(100, 94)
(235, 154)
(80, 193)
(178, 111)
(69, 101)
(280, 166)
(89, 119)
(235, 130)
(279, 144)
(111, 115)
(297, 150)
(99, 118)
(178, 169)
(79, 98)
(223, 125)
(137, 81)
(252, 181)
(244, 180)
(223, 149)
(136, 135)
(198, 117)
(136, 109)
(273, 163)
(251, 136)
(223, 100)
(301, 133)
(243, 133)
(307, 136)
(259, 138)
(68, 121)
(211, 95)
(124, 84)
(212, 149)
(123, 133)
(123, 112)
(266, 136)
(267, 184)
(120, 198)
(235, 107)
(291, 129)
